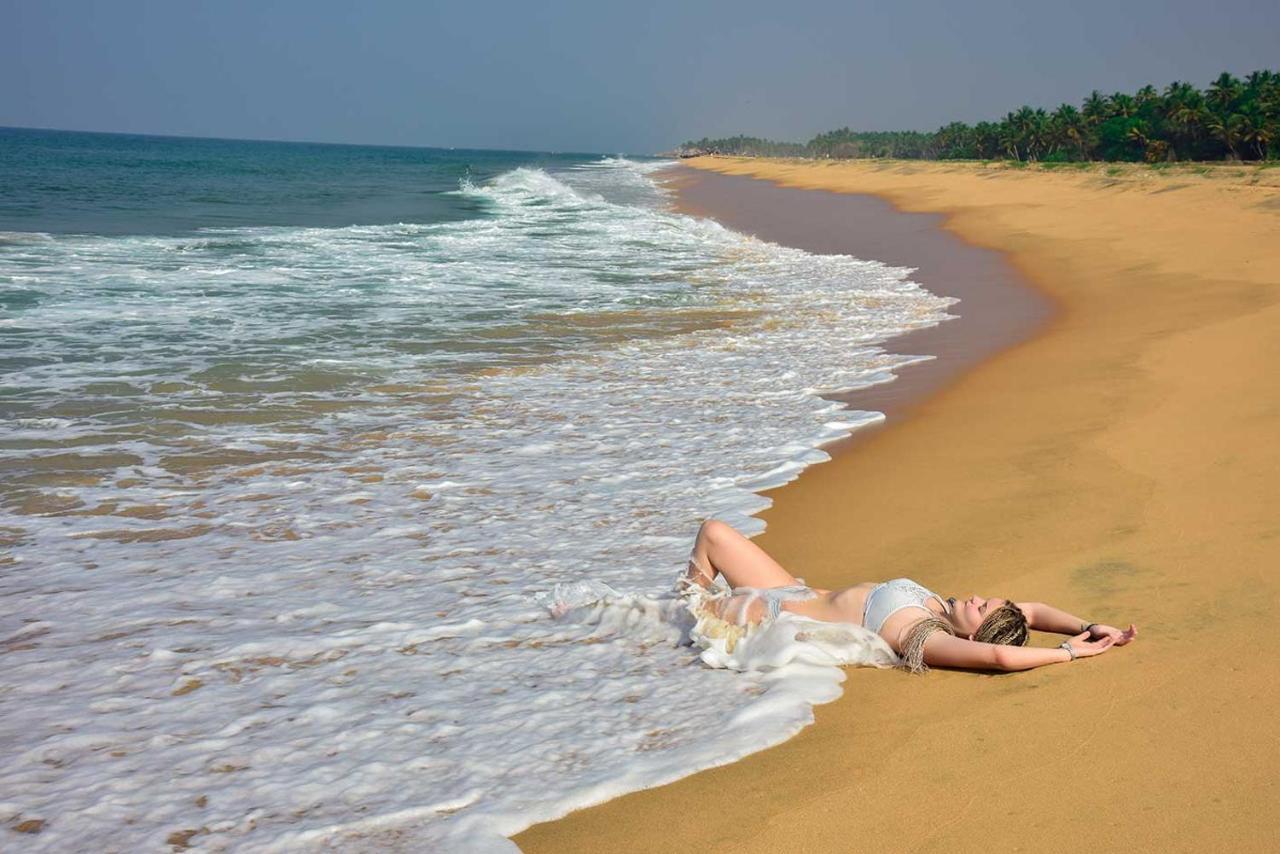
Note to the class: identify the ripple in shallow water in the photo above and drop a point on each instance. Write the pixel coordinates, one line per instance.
(275, 568)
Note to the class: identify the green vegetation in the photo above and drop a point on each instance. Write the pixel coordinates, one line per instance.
(1233, 119)
(750, 146)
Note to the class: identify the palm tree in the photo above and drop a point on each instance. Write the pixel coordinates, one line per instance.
(1226, 131)
(1138, 134)
(1010, 139)
(1067, 129)
(1157, 151)
(1121, 104)
(953, 141)
(1026, 134)
(1153, 150)
(1224, 91)
(1188, 118)
(986, 139)
(1037, 133)
(1095, 108)
(1179, 92)
(1258, 81)
(1251, 126)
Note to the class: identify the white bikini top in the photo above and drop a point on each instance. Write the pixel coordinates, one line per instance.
(889, 598)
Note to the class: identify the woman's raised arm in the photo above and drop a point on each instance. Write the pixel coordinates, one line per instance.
(944, 650)
(1046, 618)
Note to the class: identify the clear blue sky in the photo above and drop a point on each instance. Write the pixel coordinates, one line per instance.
(598, 76)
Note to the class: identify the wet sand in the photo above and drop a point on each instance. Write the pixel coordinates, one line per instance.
(998, 308)
(1123, 464)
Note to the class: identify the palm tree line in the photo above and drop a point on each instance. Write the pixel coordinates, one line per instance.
(1232, 119)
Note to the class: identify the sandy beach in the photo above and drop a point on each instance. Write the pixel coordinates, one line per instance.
(1121, 462)
(997, 309)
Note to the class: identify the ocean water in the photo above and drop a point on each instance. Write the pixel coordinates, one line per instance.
(315, 458)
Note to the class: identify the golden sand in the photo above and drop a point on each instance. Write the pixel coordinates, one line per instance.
(1124, 465)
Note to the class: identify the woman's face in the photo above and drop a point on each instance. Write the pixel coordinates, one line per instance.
(968, 614)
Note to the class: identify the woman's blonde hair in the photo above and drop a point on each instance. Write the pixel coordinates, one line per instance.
(1005, 625)
(913, 644)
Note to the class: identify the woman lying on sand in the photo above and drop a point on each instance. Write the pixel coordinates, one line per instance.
(922, 627)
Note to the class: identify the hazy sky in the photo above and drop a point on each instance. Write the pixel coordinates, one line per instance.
(593, 76)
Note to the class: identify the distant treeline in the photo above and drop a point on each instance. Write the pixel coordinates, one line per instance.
(1233, 119)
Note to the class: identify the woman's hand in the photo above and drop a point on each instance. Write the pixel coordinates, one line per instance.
(1098, 630)
(1082, 647)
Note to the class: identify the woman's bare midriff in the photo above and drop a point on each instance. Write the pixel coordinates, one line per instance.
(840, 606)
(848, 605)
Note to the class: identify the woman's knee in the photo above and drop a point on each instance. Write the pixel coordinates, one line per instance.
(713, 530)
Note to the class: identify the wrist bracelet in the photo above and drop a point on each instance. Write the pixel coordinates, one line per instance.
(1089, 628)
(1066, 644)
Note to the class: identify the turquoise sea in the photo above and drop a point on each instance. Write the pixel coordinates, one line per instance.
(341, 487)
(117, 184)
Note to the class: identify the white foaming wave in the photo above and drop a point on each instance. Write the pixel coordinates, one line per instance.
(353, 598)
(257, 286)
(21, 237)
(526, 185)
(623, 181)
(646, 167)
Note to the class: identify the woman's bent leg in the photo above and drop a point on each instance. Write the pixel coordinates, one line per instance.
(719, 548)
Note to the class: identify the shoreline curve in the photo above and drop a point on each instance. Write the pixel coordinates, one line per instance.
(1121, 463)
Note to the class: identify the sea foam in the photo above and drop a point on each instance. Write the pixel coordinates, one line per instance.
(286, 500)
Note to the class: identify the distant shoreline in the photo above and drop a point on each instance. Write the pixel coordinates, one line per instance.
(1231, 119)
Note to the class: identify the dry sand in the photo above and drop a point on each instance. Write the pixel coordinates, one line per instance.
(1123, 464)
